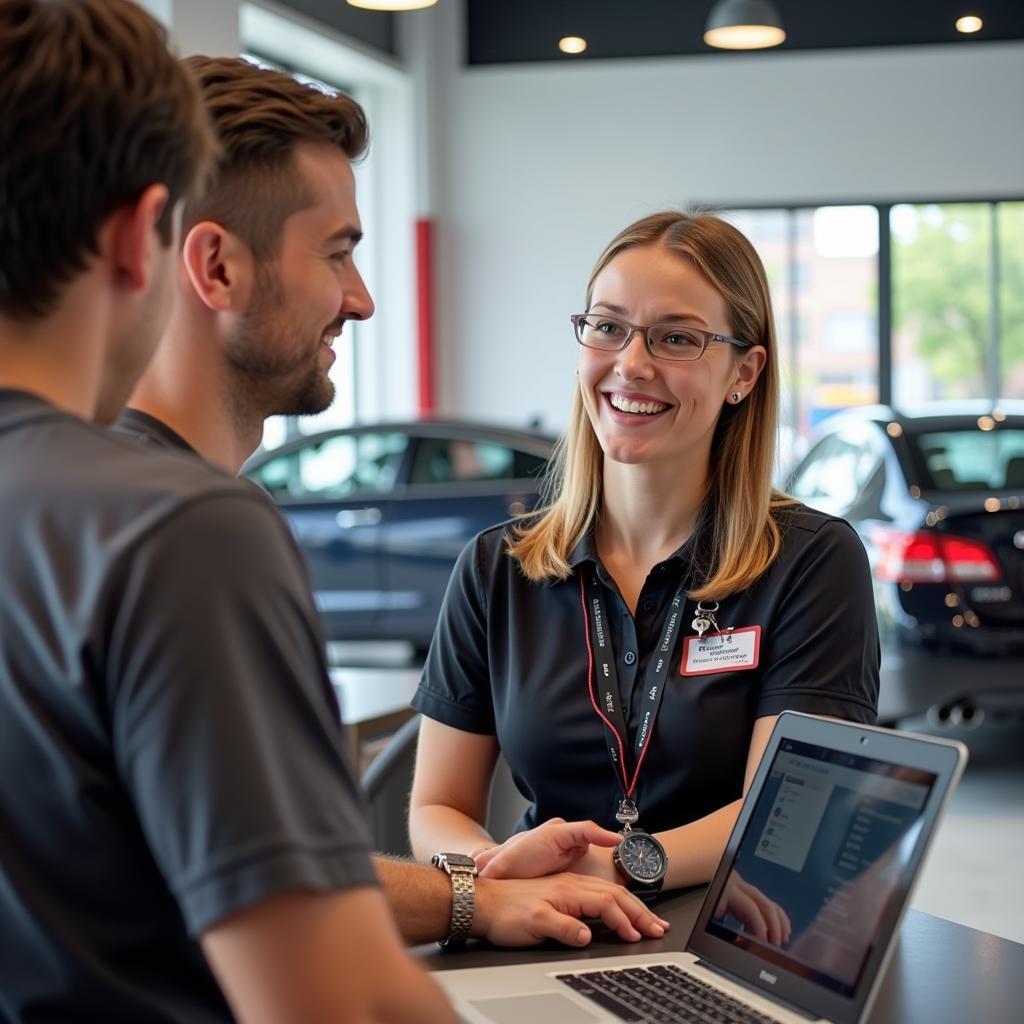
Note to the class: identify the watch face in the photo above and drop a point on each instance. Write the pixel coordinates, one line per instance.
(642, 857)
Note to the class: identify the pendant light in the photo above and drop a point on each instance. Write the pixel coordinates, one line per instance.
(392, 5)
(744, 25)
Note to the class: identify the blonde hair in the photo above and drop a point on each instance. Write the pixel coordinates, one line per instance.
(744, 536)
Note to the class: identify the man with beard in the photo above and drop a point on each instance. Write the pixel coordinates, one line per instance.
(267, 283)
(180, 839)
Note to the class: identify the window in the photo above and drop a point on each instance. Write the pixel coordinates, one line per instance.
(444, 460)
(335, 467)
(951, 305)
(838, 470)
(972, 460)
(1010, 232)
(941, 267)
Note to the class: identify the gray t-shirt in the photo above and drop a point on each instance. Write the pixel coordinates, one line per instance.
(169, 742)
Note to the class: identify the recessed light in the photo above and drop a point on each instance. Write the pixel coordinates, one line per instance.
(572, 44)
(968, 23)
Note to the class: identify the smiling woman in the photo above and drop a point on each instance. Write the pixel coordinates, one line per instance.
(629, 646)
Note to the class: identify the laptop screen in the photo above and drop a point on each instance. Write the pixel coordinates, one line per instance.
(827, 845)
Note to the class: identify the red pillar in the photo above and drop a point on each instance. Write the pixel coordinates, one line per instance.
(425, 313)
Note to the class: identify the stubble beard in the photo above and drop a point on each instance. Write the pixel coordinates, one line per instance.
(275, 367)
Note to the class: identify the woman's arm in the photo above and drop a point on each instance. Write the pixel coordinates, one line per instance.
(450, 790)
(693, 850)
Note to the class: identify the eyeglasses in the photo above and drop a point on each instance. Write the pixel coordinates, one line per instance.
(677, 342)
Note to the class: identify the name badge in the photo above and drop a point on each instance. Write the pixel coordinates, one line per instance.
(730, 651)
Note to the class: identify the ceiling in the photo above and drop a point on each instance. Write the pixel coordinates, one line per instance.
(512, 31)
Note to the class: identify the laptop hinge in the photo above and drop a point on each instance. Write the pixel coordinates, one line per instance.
(772, 997)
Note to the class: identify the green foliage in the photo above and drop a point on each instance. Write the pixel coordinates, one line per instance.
(941, 289)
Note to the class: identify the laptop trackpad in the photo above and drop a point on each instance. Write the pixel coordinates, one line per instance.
(541, 1008)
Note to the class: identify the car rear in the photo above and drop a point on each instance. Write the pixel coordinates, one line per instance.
(955, 615)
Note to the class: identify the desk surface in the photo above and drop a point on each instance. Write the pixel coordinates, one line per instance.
(366, 696)
(940, 972)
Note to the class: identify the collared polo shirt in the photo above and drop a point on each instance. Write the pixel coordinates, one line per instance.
(510, 658)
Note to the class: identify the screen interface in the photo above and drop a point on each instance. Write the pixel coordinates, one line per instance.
(820, 861)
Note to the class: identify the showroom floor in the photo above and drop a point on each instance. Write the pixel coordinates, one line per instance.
(973, 873)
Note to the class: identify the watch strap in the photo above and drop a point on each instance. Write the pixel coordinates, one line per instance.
(462, 872)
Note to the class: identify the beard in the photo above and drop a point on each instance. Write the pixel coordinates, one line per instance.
(274, 359)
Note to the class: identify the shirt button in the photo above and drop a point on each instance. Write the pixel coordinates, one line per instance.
(629, 657)
(648, 605)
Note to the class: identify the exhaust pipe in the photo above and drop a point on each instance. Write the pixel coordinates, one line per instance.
(963, 714)
(940, 716)
(967, 715)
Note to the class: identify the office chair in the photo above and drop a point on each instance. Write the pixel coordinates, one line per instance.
(388, 781)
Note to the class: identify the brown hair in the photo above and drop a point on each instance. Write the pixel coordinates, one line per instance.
(744, 537)
(93, 110)
(260, 115)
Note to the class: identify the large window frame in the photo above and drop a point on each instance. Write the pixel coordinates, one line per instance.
(789, 329)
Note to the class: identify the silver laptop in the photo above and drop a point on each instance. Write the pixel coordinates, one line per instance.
(826, 849)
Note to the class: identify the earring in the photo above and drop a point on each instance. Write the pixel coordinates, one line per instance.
(735, 397)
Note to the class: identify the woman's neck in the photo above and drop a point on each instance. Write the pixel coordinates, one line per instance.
(647, 512)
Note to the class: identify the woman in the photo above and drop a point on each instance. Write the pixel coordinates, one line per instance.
(629, 648)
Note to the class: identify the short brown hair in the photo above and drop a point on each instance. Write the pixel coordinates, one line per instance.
(93, 110)
(260, 115)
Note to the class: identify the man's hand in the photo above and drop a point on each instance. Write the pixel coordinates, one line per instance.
(762, 917)
(557, 845)
(523, 912)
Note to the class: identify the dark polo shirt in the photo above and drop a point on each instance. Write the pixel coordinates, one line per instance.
(151, 431)
(170, 748)
(510, 658)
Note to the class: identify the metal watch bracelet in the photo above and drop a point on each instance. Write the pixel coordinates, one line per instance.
(462, 872)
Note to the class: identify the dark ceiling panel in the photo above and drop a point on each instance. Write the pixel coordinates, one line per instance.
(510, 31)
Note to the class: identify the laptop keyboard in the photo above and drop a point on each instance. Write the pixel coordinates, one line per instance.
(661, 993)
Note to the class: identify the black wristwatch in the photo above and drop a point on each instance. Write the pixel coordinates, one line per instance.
(643, 862)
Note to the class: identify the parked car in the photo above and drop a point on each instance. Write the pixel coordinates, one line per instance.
(382, 513)
(938, 500)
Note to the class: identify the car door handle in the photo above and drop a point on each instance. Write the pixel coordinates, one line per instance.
(349, 517)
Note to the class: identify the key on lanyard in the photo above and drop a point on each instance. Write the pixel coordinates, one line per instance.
(704, 619)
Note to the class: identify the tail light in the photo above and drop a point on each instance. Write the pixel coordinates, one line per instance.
(933, 558)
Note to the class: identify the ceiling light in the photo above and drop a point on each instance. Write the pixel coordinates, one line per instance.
(968, 23)
(572, 44)
(744, 25)
(391, 5)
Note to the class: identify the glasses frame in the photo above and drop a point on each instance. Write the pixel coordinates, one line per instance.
(645, 329)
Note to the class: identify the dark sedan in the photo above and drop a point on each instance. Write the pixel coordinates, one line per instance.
(382, 513)
(938, 499)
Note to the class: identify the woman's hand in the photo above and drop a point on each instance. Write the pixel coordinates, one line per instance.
(557, 845)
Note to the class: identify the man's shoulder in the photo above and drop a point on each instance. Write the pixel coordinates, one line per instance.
(108, 478)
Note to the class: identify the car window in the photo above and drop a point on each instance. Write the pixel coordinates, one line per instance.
(335, 467)
(836, 470)
(972, 459)
(447, 460)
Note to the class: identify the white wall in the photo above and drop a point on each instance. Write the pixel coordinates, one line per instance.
(543, 163)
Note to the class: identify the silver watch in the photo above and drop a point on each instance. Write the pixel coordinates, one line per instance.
(462, 870)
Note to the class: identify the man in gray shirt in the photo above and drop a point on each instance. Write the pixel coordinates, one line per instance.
(267, 283)
(172, 796)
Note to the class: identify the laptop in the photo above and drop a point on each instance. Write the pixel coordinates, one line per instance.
(804, 909)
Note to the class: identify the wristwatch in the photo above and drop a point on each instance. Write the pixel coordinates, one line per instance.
(461, 870)
(643, 862)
